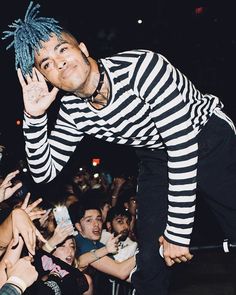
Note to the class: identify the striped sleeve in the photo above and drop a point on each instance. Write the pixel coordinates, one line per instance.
(47, 155)
(170, 113)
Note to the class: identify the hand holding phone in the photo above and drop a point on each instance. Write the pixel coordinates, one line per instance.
(62, 216)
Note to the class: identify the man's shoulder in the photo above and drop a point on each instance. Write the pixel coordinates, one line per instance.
(85, 245)
(129, 54)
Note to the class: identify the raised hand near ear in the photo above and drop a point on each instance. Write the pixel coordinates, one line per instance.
(36, 95)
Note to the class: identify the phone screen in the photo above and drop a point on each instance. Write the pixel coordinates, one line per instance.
(62, 215)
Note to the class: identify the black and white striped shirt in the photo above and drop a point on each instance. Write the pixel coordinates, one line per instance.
(152, 105)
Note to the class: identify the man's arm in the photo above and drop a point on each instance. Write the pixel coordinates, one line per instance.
(120, 270)
(46, 155)
(171, 117)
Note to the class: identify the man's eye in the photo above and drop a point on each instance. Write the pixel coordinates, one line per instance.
(63, 49)
(45, 66)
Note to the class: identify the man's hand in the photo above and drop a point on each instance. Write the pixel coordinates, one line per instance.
(174, 253)
(23, 269)
(22, 225)
(6, 188)
(112, 244)
(60, 234)
(32, 209)
(37, 98)
(11, 255)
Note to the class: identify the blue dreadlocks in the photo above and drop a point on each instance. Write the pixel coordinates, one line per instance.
(28, 35)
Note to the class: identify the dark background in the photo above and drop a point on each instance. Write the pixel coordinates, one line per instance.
(198, 37)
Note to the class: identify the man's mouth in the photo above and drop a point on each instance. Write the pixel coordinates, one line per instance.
(97, 232)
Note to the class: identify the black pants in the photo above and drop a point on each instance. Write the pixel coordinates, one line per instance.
(217, 182)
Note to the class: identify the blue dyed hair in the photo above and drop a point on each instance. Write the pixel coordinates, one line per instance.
(28, 36)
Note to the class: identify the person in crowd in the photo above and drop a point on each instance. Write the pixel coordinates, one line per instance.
(80, 181)
(128, 199)
(139, 98)
(116, 187)
(57, 277)
(100, 199)
(87, 219)
(118, 223)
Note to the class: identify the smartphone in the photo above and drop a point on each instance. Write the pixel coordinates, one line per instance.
(62, 215)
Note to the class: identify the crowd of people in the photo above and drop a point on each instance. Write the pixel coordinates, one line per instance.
(94, 252)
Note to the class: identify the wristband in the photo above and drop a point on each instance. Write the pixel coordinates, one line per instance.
(15, 281)
(48, 247)
(16, 287)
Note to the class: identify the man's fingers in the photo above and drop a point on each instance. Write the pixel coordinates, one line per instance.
(169, 261)
(26, 201)
(40, 237)
(39, 75)
(36, 214)
(35, 204)
(177, 260)
(21, 78)
(17, 186)
(30, 241)
(54, 92)
(28, 78)
(34, 75)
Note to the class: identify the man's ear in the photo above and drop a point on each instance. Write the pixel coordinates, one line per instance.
(78, 226)
(84, 49)
(126, 205)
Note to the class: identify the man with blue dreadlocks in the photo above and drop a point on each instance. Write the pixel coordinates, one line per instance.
(184, 141)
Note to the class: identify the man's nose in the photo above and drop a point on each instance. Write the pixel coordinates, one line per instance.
(61, 64)
(95, 222)
(124, 226)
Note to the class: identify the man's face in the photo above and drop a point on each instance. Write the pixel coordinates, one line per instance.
(121, 225)
(132, 206)
(90, 226)
(63, 63)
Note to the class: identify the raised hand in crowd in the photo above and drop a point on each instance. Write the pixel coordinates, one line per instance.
(32, 209)
(22, 225)
(22, 274)
(6, 187)
(61, 232)
(112, 244)
(115, 189)
(12, 255)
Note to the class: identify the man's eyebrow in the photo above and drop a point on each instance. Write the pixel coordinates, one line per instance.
(55, 49)
(90, 216)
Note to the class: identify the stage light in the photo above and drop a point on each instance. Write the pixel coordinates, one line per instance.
(199, 10)
(18, 122)
(96, 161)
(140, 21)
